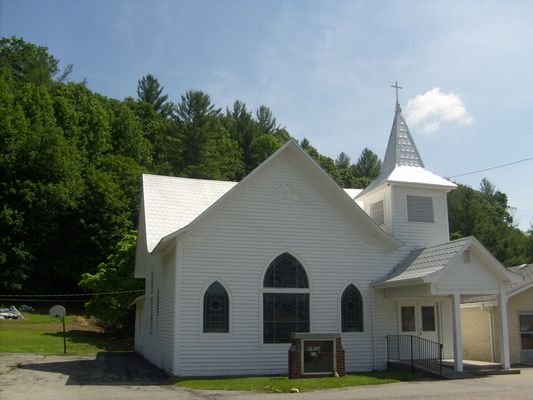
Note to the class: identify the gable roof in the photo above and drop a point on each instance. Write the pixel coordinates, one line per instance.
(427, 265)
(512, 288)
(353, 194)
(171, 203)
(423, 262)
(402, 162)
(210, 199)
(526, 271)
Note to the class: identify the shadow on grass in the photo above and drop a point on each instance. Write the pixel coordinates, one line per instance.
(107, 368)
(101, 340)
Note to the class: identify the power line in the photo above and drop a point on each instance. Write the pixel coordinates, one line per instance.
(70, 295)
(19, 300)
(491, 168)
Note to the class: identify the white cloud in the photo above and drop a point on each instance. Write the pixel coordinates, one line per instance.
(432, 108)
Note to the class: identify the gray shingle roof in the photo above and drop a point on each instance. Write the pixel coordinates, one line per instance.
(421, 263)
(171, 203)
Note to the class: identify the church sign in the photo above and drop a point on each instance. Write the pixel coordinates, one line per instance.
(313, 354)
(318, 356)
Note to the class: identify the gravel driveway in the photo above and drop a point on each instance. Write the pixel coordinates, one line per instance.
(120, 376)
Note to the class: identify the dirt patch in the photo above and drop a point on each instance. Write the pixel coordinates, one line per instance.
(81, 323)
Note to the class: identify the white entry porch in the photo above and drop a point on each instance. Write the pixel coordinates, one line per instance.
(425, 292)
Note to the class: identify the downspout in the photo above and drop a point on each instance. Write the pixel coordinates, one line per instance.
(491, 327)
(373, 322)
(491, 335)
(177, 308)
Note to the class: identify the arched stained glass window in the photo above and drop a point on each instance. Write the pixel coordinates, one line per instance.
(285, 312)
(352, 310)
(216, 309)
(286, 272)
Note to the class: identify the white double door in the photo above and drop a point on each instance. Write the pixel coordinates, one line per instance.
(419, 318)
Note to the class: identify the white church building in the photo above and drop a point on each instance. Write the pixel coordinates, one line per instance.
(232, 269)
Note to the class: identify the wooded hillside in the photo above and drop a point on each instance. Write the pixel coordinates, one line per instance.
(71, 161)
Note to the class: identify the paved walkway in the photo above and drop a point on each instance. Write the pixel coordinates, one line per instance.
(121, 376)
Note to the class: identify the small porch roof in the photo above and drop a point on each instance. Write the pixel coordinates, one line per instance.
(427, 265)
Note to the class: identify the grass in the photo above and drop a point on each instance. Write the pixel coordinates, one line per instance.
(282, 384)
(40, 333)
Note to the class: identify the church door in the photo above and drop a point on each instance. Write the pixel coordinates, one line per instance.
(419, 319)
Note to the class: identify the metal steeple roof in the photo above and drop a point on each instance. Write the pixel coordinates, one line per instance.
(401, 149)
(402, 162)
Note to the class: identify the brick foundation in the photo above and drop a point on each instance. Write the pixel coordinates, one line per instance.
(295, 358)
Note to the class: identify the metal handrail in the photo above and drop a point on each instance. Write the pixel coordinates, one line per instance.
(418, 351)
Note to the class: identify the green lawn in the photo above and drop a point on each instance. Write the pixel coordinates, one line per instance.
(282, 384)
(39, 333)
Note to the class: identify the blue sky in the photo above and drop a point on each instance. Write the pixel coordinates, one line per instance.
(324, 68)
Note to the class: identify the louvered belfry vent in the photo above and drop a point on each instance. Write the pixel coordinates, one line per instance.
(420, 209)
(377, 213)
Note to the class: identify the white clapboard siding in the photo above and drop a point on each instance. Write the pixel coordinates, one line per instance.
(235, 246)
(473, 277)
(423, 234)
(386, 323)
(157, 343)
(381, 194)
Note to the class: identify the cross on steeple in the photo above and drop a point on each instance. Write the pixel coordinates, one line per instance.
(396, 87)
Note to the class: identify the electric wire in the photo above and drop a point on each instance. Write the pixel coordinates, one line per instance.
(490, 168)
(70, 295)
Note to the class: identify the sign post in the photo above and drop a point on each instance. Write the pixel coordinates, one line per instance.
(60, 312)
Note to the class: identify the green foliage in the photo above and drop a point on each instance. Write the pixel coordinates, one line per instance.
(114, 275)
(486, 215)
(86, 118)
(198, 118)
(266, 122)
(221, 159)
(343, 161)
(150, 91)
(368, 164)
(127, 136)
(29, 63)
(261, 148)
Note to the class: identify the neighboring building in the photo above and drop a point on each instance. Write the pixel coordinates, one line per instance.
(481, 322)
(231, 269)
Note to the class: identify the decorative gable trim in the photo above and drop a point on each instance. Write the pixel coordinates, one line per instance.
(286, 195)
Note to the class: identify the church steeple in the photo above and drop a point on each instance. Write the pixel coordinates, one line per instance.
(406, 200)
(401, 149)
(402, 162)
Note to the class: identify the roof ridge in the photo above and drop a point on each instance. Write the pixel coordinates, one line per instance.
(187, 178)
